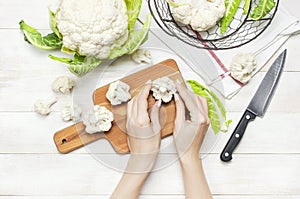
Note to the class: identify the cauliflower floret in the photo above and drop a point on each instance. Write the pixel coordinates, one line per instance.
(118, 92)
(63, 84)
(163, 88)
(201, 14)
(43, 107)
(92, 27)
(98, 120)
(71, 113)
(242, 65)
(141, 56)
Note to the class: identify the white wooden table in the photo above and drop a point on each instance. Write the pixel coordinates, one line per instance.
(265, 165)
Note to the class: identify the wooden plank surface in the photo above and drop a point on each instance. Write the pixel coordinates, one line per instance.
(266, 164)
(272, 174)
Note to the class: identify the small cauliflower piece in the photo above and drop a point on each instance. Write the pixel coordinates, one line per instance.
(71, 113)
(92, 27)
(242, 66)
(98, 120)
(118, 92)
(63, 84)
(43, 107)
(163, 88)
(201, 14)
(141, 56)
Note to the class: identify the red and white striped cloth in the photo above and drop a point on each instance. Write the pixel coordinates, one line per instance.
(283, 27)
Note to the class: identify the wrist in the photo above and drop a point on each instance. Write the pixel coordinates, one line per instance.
(188, 159)
(141, 163)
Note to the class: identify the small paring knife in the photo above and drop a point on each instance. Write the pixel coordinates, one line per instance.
(258, 105)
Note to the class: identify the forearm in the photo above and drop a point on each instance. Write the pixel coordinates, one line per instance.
(131, 183)
(129, 186)
(195, 183)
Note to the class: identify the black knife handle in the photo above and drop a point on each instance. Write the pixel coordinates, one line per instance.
(236, 136)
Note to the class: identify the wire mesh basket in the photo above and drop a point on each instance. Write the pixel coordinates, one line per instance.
(242, 29)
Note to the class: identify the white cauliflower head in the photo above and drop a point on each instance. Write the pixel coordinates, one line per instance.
(63, 84)
(201, 14)
(92, 27)
(98, 120)
(141, 56)
(118, 92)
(163, 88)
(242, 66)
(43, 107)
(71, 112)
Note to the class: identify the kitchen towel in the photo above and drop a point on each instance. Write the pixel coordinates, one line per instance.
(265, 46)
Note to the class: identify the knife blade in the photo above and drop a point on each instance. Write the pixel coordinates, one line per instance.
(257, 106)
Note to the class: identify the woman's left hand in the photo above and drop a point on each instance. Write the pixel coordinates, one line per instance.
(143, 130)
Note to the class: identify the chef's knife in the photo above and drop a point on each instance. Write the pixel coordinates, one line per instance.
(258, 105)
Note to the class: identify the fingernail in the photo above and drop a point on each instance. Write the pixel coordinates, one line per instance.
(176, 97)
(148, 82)
(158, 103)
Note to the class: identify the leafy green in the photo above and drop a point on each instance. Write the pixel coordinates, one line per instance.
(79, 65)
(231, 8)
(133, 11)
(32, 36)
(215, 106)
(262, 9)
(133, 42)
(246, 6)
(64, 49)
(53, 24)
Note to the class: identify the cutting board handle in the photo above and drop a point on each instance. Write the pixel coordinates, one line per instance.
(74, 137)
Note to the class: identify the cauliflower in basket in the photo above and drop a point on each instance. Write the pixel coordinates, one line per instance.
(242, 66)
(200, 14)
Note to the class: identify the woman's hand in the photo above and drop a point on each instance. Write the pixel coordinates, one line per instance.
(143, 131)
(144, 137)
(189, 132)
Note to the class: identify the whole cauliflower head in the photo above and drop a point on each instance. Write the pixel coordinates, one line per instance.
(118, 92)
(92, 27)
(242, 66)
(163, 88)
(98, 120)
(200, 14)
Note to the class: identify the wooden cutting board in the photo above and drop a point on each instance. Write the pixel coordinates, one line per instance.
(74, 137)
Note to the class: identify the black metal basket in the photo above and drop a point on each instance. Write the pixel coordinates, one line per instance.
(242, 29)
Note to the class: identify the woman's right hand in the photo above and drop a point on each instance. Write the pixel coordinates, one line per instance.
(190, 129)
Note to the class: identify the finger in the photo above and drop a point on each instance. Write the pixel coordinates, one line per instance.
(180, 112)
(190, 101)
(144, 93)
(142, 100)
(204, 104)
(129, 114)
(154, 117)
